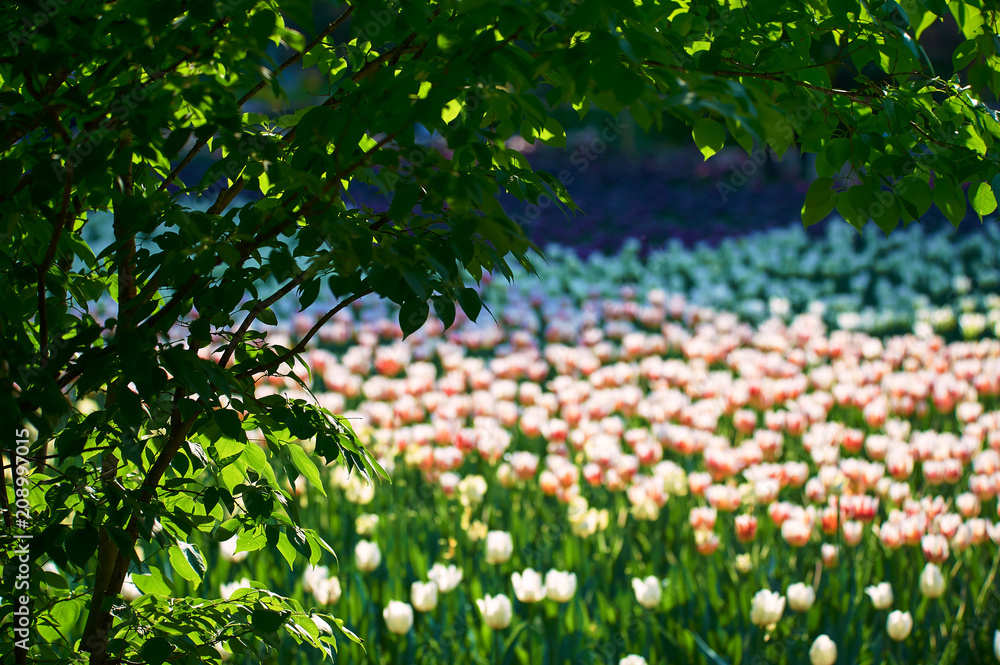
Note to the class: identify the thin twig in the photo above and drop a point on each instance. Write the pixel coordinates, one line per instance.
(297, 56)
(255, 312)
(226, 197)
(43, 267)
(301, 346)
(201, 143)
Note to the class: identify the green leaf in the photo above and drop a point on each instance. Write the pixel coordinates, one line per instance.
(709, 136)
(308, 293)
(964, 54)
(287, 550)
(229, 423)
(265, 620)
(81, 545)
(982, 198)
(187, 562)
(406, 196)
(820, 201)
(197, 454)
(553, 133)
(445, 310)
(305, 466)
(915, 191)
(262, 25)
(155, 583)
(412, 315)
(268, 317)
(885, 211)
(847, 210)
(10, 173)
(250, 540)
(451, 110)
(155, 651)
(228, 450)
(950, 199)
(470, 302)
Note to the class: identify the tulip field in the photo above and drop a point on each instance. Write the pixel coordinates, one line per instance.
(607, 470)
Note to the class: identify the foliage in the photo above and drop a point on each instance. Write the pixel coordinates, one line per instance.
(107, 105)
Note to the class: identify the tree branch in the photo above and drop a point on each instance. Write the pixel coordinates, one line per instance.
(226, 197)
(301, 346)
(256, 311)
(4, 502)
(98, 621)
(50, 253)
(95, 635)
(201, 143)
(298, 56)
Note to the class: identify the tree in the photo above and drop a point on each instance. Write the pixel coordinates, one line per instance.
(109, 106)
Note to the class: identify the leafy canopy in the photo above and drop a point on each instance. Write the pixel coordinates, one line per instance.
(115, 113)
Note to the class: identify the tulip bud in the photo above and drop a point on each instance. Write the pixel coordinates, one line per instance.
(648, 592)
(898, 625)
(496, 611)
(766, 607)
(528, 586)
(823, 651)
(801, 597)
(632, 659)
(367, 555)
(560, 586)
(746, 528)
(881, 595)
(424, 596)
(446, 577)
(398, 617)
(499, 547)
(932, 582)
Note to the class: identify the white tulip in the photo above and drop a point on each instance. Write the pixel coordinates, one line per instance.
(471, 490)
(130, 591)
(496, 611)
(632, 659)
(328, 591)
(561, 586)
(398, 617)
(648, 592)
(528, 586)
(767, 607)
(359, 490)
(881, 595)
(424, 596)
(227, 590)
(931, 581)
(366, 524)
(228, 550)
(801, 597)
(823, 651)
(314, 577)
(446, 577)
(368, 555)
(898, 625)
(996, 644)
(499, 547)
